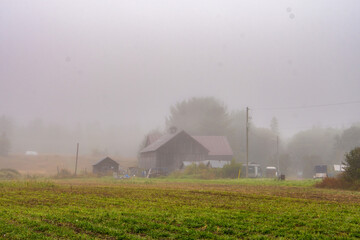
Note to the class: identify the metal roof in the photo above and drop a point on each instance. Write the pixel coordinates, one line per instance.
(151, 138)
(217, 145)
(159, 142)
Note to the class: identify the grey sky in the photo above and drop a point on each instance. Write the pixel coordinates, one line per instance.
(126, 62)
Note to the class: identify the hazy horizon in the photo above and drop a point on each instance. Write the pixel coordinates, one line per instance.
(124, 63)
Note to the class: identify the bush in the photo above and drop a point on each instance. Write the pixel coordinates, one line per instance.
(9, 174)
(350, 179)
(63, 173)
(352, 162)
(231, 170)
(334, 182)
(203, 172)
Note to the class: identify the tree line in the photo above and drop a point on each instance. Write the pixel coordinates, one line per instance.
(298, 155)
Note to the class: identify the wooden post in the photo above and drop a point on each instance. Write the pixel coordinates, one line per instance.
(77, 155)
(247, 142)
(277, 155)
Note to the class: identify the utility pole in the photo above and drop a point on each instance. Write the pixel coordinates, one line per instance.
(77, 155)
(247, 142)
(277, 155)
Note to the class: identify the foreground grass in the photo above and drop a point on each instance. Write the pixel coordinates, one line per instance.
(167, 180)
(175, 209)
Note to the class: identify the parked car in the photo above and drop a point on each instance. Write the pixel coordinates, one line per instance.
(320, 171)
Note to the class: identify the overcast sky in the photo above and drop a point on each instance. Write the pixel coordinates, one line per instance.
(126, 62)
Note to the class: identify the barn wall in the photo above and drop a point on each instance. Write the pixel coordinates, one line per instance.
(181, 148)
(106, 167)
(147, 160)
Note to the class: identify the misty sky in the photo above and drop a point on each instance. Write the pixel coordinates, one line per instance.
(125, 62)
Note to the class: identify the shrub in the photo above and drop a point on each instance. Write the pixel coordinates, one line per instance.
(63, 173)
(334, 182)
(203, 172)
(352, 162)
(231, 170)
(9, 174)
(350, 179)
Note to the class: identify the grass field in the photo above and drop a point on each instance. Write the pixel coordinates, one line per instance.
(176, 209)
(47, 164)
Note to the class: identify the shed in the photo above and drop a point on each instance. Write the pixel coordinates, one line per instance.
(105, 166)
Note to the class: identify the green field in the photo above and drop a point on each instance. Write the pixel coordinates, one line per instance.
(176, 209)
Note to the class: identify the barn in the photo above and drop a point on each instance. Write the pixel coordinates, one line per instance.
(105, 166)
(170, 150)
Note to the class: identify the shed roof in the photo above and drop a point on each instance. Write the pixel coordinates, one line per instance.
(217, 145)
(105, 159)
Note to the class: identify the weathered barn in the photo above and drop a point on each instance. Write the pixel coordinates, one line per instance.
(169, 151)
(105, 166)
(218, 146)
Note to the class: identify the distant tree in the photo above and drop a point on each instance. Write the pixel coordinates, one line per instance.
(285, 164)
(344, 142)
(4, 145)
(236, 134)
(350, 138)
(262, 146)
(309, 147)
(352, 162)
(200, 116)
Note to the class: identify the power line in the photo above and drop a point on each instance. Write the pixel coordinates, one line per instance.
(307, 106)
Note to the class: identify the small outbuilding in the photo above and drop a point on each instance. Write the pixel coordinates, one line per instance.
(106, 166)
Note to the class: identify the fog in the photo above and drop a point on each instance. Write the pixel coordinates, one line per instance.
(105, 73)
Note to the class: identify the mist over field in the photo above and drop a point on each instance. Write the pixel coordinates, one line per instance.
(106, 73)
(179, 119)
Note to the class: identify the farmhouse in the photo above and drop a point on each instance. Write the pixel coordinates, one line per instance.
(105, 166)
(177, 149)
(169, 151)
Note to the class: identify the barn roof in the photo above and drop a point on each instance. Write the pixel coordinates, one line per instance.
(159, 142)
(105, 159)
(152, 137)
(165, 139)
(217, 145)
